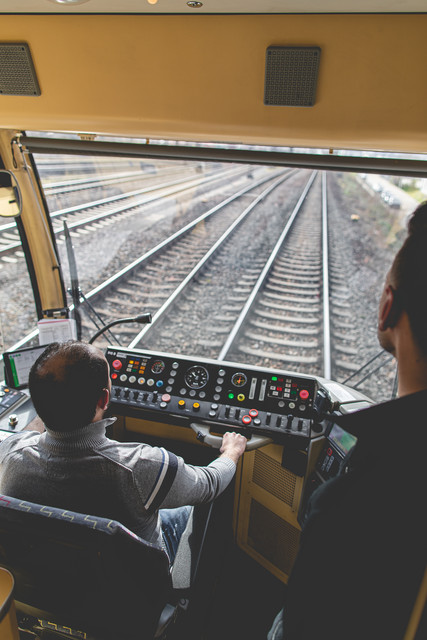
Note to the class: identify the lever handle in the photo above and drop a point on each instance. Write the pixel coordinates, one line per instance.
(204, 435)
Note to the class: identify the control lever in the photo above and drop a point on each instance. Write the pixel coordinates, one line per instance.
(204, 435)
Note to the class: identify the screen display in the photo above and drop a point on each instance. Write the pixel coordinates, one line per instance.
(17, 365)
(342, 439)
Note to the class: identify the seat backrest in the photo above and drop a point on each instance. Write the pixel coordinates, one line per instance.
(82, 571)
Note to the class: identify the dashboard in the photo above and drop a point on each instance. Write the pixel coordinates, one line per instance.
(182, 390)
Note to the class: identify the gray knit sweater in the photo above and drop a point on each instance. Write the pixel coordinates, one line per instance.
(85, 471)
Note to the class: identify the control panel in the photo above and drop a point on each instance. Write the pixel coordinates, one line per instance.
(224, 395)
(16, 409)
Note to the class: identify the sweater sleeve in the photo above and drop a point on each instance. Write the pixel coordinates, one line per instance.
(191, 485)
(194, 485)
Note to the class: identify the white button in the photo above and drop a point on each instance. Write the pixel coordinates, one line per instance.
(150, 382)
(123, 377)
(141, 380)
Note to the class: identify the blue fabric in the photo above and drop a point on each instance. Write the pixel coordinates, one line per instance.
(173, 523)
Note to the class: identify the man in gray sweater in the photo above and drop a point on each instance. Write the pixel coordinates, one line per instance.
(73, 464)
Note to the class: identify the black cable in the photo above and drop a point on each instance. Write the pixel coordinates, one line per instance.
(143, 318)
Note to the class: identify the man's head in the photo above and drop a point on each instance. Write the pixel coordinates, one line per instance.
(405, 290)
(69, 385)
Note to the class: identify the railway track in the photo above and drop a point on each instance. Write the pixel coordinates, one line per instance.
(80, 216)
(162, 273)
(275, 313)
(287, 305)
(271, 314)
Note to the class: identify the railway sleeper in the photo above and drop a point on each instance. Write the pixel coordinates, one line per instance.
(293, 268)
(312, 308)
(301, 294)
(349, 336)
(130, 304)
(291, 276)
(347, 326)
(347, 366)
(340, 295)
(277, 285)
(278, 356)
(341, 312)
(342, 304)
(297, 307)
(350, 351)
(296, 330)
(290, 319)
(283, 342)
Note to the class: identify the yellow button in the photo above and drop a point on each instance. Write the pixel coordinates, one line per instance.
(240, 397)
(181, 403)
(196, 405)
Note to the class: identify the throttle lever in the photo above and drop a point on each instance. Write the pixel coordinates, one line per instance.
(204, 435)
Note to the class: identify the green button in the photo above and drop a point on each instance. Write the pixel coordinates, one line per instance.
(274, 378)
(231, 396)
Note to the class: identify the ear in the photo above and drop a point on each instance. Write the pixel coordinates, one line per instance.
(104, 399)
(390, 310)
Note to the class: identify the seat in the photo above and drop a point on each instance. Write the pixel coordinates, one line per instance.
(94, 576)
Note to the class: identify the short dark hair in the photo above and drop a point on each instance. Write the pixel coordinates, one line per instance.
(66, 382)
(409, 275)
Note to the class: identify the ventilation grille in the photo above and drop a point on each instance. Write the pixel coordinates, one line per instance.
(275, 539)
(271, 476)
(17, 73)
(291, 76)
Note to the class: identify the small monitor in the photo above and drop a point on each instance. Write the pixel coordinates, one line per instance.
(17, 365)
(342, 439)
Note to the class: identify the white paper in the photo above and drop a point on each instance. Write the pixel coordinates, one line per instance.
(56, 330)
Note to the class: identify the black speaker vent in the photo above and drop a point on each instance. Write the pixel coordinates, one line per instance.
(17, 73)
(291, 76)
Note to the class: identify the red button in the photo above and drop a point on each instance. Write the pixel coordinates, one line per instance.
(246, 419)
(166, 397)
(114, 376)
(304, 394)
(253, 413)
(117, 364)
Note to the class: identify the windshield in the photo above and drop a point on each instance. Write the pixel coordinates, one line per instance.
(264, 265)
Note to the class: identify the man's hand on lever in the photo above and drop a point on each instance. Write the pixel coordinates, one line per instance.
(233, 445)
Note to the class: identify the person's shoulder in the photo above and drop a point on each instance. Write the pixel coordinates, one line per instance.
(133, 453)
(10, 442)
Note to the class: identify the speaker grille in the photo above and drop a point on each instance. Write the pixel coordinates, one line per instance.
(275, 539)
(291, 76)
(271, 476)
(17, 73)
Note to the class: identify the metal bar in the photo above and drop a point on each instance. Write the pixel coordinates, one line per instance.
(333, 162)
(325, 259)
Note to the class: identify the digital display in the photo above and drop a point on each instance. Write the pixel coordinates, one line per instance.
(18, 364)
(342, 439)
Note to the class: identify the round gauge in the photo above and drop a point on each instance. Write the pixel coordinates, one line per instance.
(158, 366)
(239, 380)
(196, 377)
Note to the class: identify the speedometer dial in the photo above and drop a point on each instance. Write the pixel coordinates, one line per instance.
(239, 379)
(196, 377)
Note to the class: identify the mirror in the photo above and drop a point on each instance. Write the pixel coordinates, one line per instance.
(10, 195)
